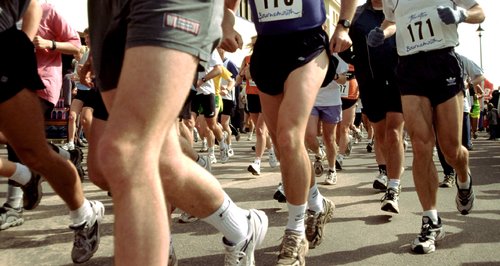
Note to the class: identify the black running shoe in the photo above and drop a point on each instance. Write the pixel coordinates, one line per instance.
(430, 233)
(32, 192)
(76, 157)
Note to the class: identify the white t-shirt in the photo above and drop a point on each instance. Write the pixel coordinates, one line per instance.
(418, 26)
(209, 87)
(330, 94)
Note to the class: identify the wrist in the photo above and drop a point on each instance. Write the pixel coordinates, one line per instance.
(54, 46)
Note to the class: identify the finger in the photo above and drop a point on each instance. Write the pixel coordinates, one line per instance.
(239, 40)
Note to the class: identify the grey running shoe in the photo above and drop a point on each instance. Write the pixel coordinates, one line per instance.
(293, 249)
(187, 218)
(369, 146)
(331, 178)
(318, 166)
(380, 181)
(465, 198)
(87, 235)
(430, 233)
(315, 223)
(32, 192)
(390, 200)
(448, 181)
(243, 253)
(10, 217)
(349, 145)
(224, 148)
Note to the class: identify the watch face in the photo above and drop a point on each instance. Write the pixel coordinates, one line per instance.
(344, 22)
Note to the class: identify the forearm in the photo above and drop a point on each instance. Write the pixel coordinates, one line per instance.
(475, 15)
(66, 48)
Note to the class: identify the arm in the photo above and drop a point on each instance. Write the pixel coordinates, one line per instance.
(31, 19)
(340, 40)
(231, 39)
(475, 15)
(62, 47)
(217, 70)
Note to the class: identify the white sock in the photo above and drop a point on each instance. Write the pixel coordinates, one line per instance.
(296, 216)
(256, 161)
(230, 220)
(315, 200)
(22, 175)
(82, 214)
(464, 185)
(211, 150)
(432, 214)
(394, 183)
(14, 196)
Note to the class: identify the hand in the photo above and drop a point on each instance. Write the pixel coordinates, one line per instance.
(41, 43)
(231, 39)
(451, 16)
(376, 37)
(340, 40)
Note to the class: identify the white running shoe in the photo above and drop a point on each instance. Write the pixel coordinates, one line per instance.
(254, 168)
(273, 160)
(243, 252)
(69, 146)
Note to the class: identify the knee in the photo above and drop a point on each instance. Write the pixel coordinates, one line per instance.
(288, 142)
(422, 148)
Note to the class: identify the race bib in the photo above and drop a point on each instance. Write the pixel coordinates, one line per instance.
(273, 10)
(421, 30)
(344, 90)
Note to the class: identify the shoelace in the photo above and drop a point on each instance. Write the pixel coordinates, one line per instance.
(234, 258)
(312, 222)
(290, 246)
(80, 238)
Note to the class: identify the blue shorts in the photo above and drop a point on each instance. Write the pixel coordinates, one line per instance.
(328, 114)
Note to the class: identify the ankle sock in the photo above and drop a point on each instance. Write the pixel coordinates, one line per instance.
(230, 220)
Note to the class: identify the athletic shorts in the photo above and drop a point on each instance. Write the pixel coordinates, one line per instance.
(253, 104)
(18, 68)
(328, 114)
(185, 112)
(228, 107)
(100, 111)
(436, 75)
(88, 97)
(379, 97)
(275, 56)
(204, 104)
(348, 103)
(189, 26)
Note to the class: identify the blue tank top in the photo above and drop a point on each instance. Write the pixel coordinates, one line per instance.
(284, 16)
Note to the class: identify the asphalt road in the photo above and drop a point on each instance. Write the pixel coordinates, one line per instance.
(360, 233)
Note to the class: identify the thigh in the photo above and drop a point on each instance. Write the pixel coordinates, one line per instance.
(418, 115)
(22, 123)
(449, 122)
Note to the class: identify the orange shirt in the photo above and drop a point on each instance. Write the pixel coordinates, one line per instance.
(251, 87)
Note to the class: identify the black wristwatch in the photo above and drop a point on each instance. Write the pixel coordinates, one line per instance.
(204, 79)
(53, 45)
(344, 23)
